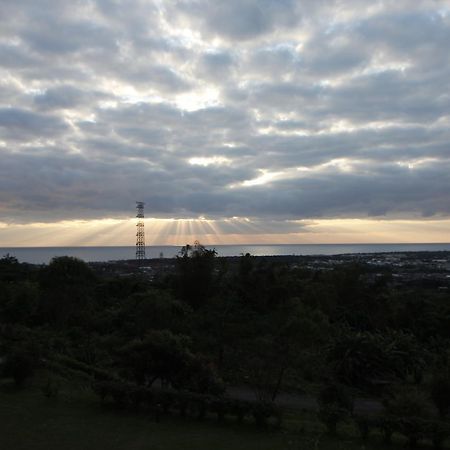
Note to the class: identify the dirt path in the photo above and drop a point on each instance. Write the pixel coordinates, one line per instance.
(303, 401)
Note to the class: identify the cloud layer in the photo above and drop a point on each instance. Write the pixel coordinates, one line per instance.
(267, 109)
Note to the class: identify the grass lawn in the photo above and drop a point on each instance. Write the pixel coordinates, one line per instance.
(29, 421)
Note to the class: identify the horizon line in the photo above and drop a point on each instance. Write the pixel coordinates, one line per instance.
(230, 245)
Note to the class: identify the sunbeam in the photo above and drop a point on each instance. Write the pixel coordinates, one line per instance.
(234, 230)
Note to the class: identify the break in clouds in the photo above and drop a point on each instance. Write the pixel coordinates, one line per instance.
(263, 109)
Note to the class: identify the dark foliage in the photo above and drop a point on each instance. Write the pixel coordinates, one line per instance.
(170, 344)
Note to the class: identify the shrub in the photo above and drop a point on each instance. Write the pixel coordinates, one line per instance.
(335, 405)
(136, 396)
(437, 431)
(405, 401)
(120, 393)
(440, 394)
(414, 429)
(240, 409)
(363, 423)
(198, 404)
(182, 401)
(218, 407)
(263, 412)
(388, 425)
(20, 365)
(51, 388)
(165, 400)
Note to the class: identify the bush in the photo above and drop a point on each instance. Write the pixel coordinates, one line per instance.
(330, 416)
(437, 431)
(402, 416)
(335, 405)
(136, 396)
(363, 424)
(182, 401)
(125, 395)
(388, 425)
(120, 393)
(440, 394)
(405, 401)
(20, 365)
(198, 405)
(240, 409)
(414, 429)
(406, 412)
(76, 371)
(101, 389)
(51, 388)
(218, 407)
(165, 400)
(265, 414)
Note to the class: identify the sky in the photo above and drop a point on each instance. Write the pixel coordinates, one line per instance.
(242, 121)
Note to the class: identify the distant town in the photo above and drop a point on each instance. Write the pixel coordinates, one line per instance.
(421, 269)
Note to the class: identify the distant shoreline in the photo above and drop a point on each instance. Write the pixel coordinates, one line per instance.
(230, 245)
(42, 255)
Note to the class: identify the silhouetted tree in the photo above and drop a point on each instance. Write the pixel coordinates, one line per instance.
(67, 288)
(276, 345)
(195, 274)
(151, 310)
(440, 393)
(162, 355)
(360, 358)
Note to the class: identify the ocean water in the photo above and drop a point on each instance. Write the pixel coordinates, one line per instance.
(42, 255)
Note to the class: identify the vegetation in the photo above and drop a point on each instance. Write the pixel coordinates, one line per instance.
(173, 346)
(30, 421)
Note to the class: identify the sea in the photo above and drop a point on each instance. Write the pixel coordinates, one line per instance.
(42, 255)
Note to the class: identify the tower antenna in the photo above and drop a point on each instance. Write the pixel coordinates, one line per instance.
(140, 234)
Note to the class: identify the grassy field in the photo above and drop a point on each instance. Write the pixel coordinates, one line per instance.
(29, 421)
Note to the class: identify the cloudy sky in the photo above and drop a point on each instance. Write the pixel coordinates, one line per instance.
(238, 121)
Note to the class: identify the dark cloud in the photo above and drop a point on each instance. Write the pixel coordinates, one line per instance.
(14, 56)
(65, 97)
(261, 109)
(161, 78)
(19, 124)
(241, 19)
(216, 65)
(406, 31)
(53, 36)
(276, 60)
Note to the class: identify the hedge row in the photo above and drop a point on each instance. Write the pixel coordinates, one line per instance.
(185, 404)
(415, 429)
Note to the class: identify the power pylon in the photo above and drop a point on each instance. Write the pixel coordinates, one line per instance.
(140, 234)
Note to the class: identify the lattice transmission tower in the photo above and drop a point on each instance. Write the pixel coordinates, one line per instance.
(140, 234)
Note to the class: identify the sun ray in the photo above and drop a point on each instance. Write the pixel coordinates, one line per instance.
(219, 231)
